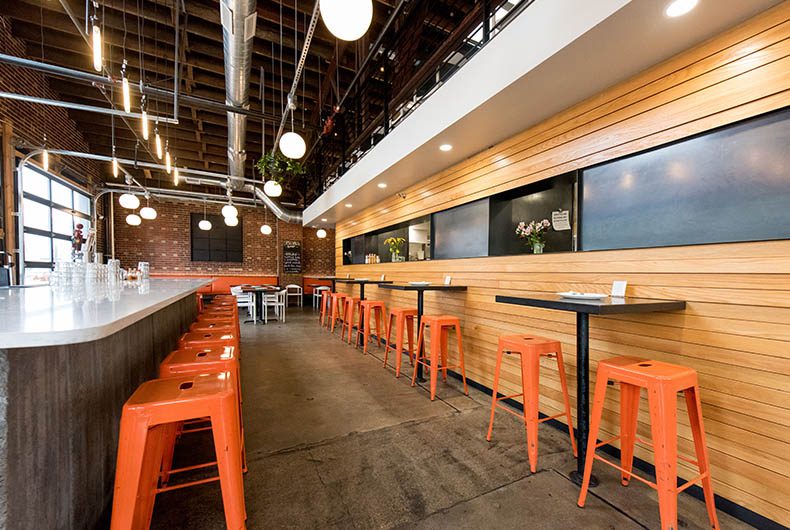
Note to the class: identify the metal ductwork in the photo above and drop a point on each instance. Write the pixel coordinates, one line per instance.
(289, 216)
(238, 30)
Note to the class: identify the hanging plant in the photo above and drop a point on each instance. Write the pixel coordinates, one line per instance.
(279, 168)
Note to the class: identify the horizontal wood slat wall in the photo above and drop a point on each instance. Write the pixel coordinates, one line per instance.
(736, 330)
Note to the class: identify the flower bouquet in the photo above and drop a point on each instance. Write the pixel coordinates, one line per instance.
(534, 233)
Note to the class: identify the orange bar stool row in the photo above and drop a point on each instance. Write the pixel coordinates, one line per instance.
(530, 349)
(662, 382)
(439, 327)
(404, 320)
(149, 419)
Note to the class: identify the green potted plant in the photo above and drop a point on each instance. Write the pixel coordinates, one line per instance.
(534, 233)
(395, 245)
(274, 166)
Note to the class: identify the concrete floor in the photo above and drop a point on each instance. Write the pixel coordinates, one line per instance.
(336, 441)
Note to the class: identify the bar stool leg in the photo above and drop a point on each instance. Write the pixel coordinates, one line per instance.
(595, 423)
(410, 331)
(629, 412)
(530, 377)
(225, 427)
(461, 356)
(149, 476)
(494, 389)
(436, 341)
(169, 436)
(663, 424)
(128, 474)
(566, 400)
(387, 344)
(445, 348)
(695, 418)
(420, 354)
(366, 333)
(378, 315)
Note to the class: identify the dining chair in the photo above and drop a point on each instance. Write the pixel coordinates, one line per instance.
(295, 290)
(317, 295)
(244, 300)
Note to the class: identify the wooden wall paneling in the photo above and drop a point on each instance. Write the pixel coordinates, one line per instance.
(736, 329)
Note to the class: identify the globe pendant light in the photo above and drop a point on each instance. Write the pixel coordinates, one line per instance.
(272, 188)
(147, 212)
(292, 145)
(204, 223)
(129, 201)
(229, 210)
(133, 219)
(347, 19)
(266, 229)
(232, 221)
(320, 233)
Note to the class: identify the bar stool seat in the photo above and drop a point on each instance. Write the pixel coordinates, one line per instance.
(662, 381)
(530, 348)
(216, 325)
(208, 339)
(351, 307)
(440, 327)
(404, 318)
(154, 409)
(369, 308)
(221, 318)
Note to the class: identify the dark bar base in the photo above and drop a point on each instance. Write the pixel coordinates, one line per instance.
(60, 408)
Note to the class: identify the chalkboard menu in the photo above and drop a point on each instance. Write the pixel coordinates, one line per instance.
(292, 257)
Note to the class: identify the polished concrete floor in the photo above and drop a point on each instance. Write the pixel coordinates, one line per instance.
(334, 440)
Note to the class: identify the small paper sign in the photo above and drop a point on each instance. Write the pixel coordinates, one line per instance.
(561, 220)
(447, 280)
(618, 288)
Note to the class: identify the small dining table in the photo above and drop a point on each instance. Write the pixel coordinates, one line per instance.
(583, 309)
(420, 289)
(257, 292)
(332, 279)
(362, 282)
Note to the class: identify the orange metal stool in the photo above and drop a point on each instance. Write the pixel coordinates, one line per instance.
(323, 315)
(208, 339)
(530, 348)
(221, 318)
(337, 309)
(440, 327)
(200, 361)
(404, 318)
(351, 308)
(662, 381)
(369, 308)
(214, 325)
(152, 411)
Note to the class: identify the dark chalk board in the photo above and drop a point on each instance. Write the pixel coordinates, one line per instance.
(221, 243)
(461, 232)
(292, 257)
(729, 184)
(533, 202)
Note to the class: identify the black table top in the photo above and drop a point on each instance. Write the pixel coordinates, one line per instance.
(607, 306)
(429, 287)
(360, 282)
(325, 278)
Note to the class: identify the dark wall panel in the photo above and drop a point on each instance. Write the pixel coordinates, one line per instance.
(461, 232)
(732, 184)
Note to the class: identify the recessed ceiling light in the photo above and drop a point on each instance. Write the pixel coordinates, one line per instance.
(678, 8)
(382, 185)
(349, 205)
(445, 147)
(323, 220)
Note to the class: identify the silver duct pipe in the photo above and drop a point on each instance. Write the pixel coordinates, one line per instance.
(238, 29)
(289, 216)
(166, 193)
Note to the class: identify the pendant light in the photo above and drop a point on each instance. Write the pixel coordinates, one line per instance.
(176, 178)
(320, 233)
(96, 41)
(133, 219)
(158, 141)
(168, 166)
(291, 144)
(272, 188)
(115, 167)
(45, 156)
(204, 223)
(147, 212)
(229, 210)
(129, 201)
(347, 19)
(144, 111)
(232, 221)
(125, 91)
(265, 228)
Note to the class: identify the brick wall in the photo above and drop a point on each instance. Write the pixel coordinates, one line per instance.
(165, 243)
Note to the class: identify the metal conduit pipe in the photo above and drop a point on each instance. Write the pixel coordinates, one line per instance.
(75, 106)
(176, 194)
(238, 29)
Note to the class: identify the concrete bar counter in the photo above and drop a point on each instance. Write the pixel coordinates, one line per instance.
(69, 358)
